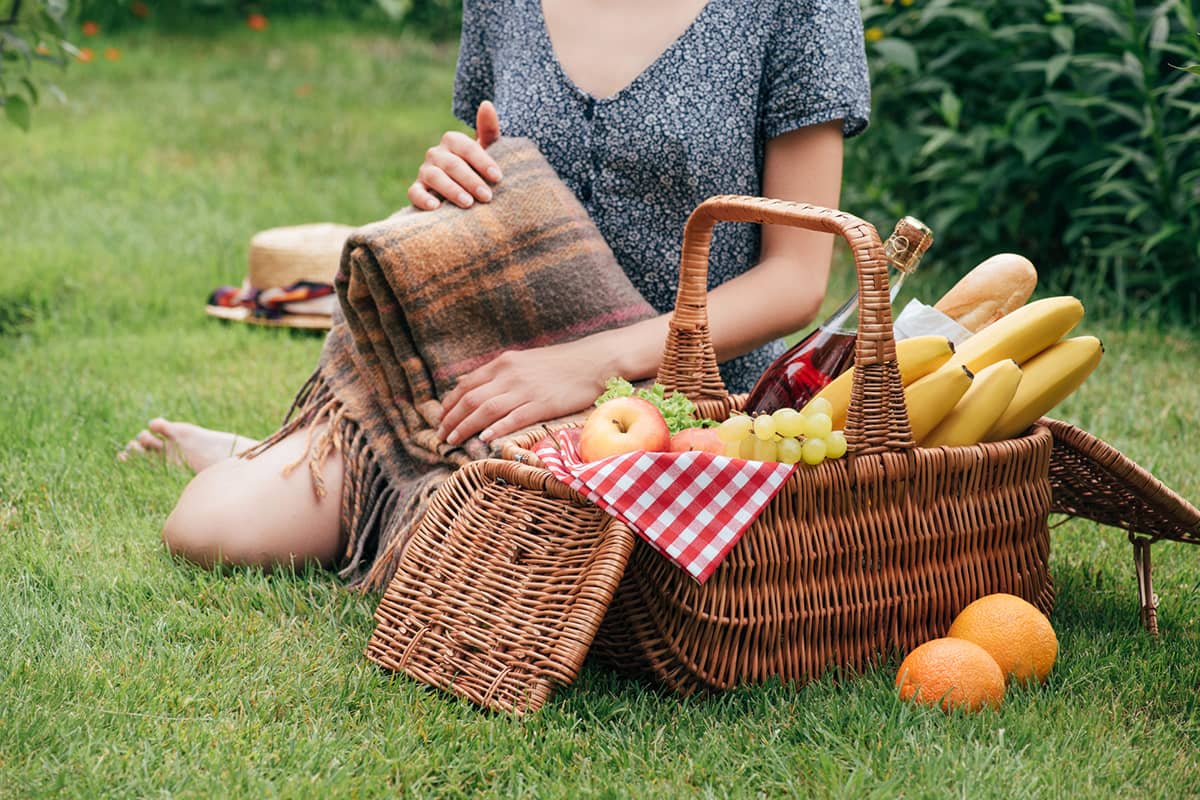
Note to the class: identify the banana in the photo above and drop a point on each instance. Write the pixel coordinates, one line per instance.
(1046, 381)
(984, 403)
(1021, 334)
(916, 357)
(931, 398)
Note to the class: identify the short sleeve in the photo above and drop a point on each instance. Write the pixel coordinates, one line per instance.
(473, 78)
(816, 68)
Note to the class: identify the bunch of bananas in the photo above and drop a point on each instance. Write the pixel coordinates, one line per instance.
(996, 384)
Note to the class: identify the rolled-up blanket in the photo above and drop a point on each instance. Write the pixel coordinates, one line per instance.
(426, 297)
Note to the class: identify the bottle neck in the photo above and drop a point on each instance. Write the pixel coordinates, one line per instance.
(903, 251)
(845, 319)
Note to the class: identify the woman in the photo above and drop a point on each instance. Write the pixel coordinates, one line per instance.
(642, 121)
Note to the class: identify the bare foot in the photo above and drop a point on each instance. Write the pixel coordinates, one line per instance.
(185, 444)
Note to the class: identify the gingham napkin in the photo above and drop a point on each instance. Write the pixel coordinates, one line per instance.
(692, 507)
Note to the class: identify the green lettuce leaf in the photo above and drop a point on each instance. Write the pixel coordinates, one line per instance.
(677, 409)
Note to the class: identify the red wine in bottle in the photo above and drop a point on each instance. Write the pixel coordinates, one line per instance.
(796, 376)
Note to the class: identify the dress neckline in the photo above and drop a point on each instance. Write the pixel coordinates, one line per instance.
(548, 43)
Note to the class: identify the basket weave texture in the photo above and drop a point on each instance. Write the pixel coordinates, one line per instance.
(852, 560)
(844, 567)
(855, 558)
(1092, 479)
(502, 587)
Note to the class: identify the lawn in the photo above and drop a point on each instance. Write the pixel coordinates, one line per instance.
(125, 673)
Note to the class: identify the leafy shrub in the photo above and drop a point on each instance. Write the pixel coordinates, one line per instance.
(31, 35)
(440, 19)
(1066, 132)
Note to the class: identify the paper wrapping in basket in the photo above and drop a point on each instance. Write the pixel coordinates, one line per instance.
(692, 507)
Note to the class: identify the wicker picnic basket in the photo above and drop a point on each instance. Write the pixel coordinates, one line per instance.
(853, 560)
(502, 587)
(1093, 480)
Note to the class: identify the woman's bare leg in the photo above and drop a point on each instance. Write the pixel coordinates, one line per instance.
(185, 444)
(246, 511)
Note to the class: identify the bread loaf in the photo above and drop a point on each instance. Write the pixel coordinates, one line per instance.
(997, 286)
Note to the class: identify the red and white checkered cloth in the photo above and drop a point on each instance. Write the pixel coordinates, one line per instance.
(692, 507)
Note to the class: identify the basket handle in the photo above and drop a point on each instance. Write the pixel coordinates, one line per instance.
(877, 419)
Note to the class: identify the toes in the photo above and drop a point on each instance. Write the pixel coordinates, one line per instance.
(131, 449)
(148, 441)
(161, 426)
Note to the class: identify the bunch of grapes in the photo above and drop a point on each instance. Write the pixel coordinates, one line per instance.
(786, 436)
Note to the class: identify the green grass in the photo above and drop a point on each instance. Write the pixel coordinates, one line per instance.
(124, 673)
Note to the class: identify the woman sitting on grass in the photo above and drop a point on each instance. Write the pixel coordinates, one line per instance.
(642, 122)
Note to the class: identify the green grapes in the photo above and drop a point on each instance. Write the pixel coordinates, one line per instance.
(788, 450)
(764, 427)
(813, 451)
(765, 449)
(788, 422)
(820, 405)
(746, 450)
(819, 426)
(785, 436)
(734, 429)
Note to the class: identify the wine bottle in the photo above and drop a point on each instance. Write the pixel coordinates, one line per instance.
(828, 351)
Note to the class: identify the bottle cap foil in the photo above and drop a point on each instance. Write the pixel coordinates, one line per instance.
(908, 242)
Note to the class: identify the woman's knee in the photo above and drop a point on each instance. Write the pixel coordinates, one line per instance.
(212, 507)
(254, 512)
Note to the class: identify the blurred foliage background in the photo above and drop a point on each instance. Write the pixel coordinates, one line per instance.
(1066, 132)
(435, 18)
(1063, 131)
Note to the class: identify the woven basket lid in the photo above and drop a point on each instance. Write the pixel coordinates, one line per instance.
(282, 256)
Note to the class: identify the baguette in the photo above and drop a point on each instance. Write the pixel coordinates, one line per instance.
(999, 284)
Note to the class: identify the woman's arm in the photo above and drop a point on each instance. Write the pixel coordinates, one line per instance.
(783, 292)
(779, 295)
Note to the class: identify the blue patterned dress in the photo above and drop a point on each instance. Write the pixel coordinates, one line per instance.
(693, 124)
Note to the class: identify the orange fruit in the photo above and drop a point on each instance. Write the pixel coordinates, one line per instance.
(953, 672)
(1013, 631)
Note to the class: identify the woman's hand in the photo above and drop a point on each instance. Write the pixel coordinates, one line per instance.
(458, 168)
(520, 388)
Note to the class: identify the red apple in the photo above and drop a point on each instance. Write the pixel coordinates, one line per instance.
(703, 439)
(622, 425)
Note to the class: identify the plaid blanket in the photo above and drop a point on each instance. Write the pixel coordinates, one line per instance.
(427, 296)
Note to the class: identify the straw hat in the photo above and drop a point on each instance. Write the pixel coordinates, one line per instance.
(289, 282)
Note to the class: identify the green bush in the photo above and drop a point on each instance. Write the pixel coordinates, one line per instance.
(31, 38)
(1066, 132)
